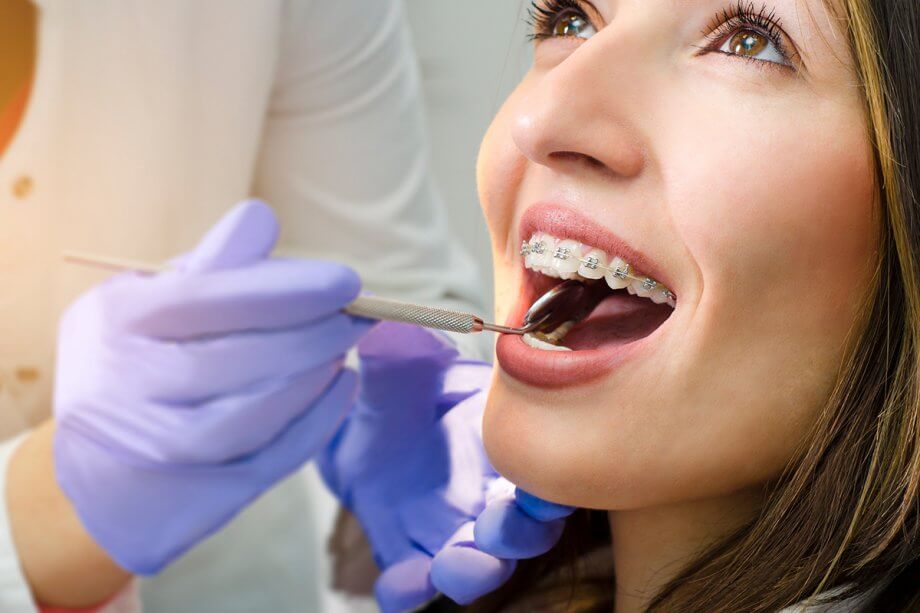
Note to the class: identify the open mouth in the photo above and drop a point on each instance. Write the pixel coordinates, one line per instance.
(626, 301)
(621, 305)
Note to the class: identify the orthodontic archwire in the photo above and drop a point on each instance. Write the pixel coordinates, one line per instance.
(624, 273)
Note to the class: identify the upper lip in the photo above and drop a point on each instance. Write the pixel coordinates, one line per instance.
(567, 223)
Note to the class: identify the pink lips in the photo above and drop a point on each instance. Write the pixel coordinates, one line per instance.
(555, 369)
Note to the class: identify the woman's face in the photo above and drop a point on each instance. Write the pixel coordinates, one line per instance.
(720, 149)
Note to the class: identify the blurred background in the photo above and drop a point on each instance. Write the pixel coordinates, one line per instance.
(472, 54)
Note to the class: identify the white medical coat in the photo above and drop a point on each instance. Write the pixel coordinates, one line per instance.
(147, 120)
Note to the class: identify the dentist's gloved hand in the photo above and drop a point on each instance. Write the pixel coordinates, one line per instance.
(182, 397)
(410, 464)
(482, 555)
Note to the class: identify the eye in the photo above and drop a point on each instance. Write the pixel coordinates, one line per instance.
(752, 34)
(573, 25)
(559, 19)
(753, 45)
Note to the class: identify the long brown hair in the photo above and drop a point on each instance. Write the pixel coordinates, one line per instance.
(844, 515)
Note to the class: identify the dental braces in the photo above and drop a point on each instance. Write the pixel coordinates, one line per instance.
(625, 273)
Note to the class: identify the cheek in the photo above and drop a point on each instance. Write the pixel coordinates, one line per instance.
(499, 170)
(778, 214)
(777, 200)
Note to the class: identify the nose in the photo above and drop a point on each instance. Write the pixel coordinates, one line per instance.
(574, 118)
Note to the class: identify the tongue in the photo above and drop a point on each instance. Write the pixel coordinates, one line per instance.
(617, 320)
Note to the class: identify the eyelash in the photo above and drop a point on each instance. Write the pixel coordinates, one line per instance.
(543, 15)
(743, 16)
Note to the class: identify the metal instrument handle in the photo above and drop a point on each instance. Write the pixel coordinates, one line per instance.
(373, 307)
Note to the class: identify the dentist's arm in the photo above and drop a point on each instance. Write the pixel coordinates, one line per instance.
(180, 398)
(345, 158)
(61, 562)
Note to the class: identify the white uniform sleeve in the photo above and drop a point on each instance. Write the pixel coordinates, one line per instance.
(345, 161)
(15, 595)
(127, 601)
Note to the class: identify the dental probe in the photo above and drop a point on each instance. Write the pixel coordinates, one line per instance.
(546, 311)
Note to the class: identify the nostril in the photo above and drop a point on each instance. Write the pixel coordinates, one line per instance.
(573, 157)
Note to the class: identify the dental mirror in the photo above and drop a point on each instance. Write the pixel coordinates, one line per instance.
(569, 301)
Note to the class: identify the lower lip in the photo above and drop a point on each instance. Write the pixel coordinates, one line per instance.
(557, 369)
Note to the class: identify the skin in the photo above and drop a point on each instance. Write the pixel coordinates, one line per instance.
(59, 559)
(752, 186)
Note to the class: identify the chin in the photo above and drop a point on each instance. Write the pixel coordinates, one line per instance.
(544, 448)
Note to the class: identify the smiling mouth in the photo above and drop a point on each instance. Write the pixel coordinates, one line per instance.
(628, 305)
(629, 300)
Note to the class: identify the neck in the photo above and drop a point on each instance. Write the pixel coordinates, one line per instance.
(651, 545)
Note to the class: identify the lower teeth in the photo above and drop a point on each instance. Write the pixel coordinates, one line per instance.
(538, 343)
(555, 337)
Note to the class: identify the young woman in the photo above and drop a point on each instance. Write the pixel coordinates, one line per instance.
(744, 404)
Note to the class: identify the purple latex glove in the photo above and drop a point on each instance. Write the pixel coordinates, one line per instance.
(483, 554)
(181, 397)
(410, 464)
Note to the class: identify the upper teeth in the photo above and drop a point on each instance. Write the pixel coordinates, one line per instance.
(568, 259)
